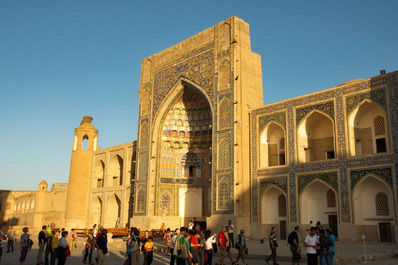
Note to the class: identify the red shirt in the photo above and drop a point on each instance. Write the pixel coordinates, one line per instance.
(194, 240)
(223, 239)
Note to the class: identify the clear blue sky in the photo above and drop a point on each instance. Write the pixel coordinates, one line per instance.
(61, 60)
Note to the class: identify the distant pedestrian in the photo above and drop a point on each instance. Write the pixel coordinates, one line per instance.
(325, 244)
(311, 243)
(72, 240)
(210, 239)
(293, 242)
(273, 244)
(42, 243)
(172, 245)
(167, 237)
(241, 244)
(230, 230)
(62, 246)
(162, 231)
(10, 239)
(148, 253)
(25, 246)
(101, 244)
(190, 225)
(329, 233)
(88, 248)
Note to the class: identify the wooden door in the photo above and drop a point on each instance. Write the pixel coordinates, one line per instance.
(385, 232)
(282, 227)
(333, 224)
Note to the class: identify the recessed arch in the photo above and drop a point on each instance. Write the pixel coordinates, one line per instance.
(116, 171)
(273, 206)
(367, 129)
(99, 174)
(313, 203)
(316, 137)
(272, 146)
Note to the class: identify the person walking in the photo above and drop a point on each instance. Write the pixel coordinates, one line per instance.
(162, 231)
(148, 252)
(73, 239)
(311, 243)
(62, 246)
(273, 244)
(101, 243)
(168, 236)
(222, 245)
(329, 233)
(88, 248)
(135, 247)
(241, 246)
(293, 242)
(325, 244)
(42, 242)
(10, 239)
(195, 246)
(230, 230)
(172, 245)
(25, 245)
(210, 239)
(180, 250)
(54, 247)
(50, 232)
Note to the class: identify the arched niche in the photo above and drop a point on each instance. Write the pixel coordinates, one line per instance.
(115, 171)
(368, 130)
(315, 138)
(190, 202)
(113, 211)
(96, 210)
(314, 203)
(272, 146)
(273, 206)
(99, 174)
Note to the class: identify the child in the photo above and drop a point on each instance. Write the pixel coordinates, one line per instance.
(26, 245)
(149, 245)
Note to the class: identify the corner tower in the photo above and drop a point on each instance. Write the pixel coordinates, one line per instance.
(84, 144)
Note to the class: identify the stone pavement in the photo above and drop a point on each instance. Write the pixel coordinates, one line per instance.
(346, 253)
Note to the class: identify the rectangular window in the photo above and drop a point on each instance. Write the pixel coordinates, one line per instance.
(381, 145)
(330, 155)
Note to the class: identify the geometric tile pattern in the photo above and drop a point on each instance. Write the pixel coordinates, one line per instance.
(383, 173)
(280, 182)
(279, 118)
(326, 107)
(377, 96)
(327, 177)
(198, 69)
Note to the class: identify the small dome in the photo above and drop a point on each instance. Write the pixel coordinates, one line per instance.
(43, 186)
(351, 82)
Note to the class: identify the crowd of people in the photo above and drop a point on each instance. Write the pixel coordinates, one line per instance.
(185, 245)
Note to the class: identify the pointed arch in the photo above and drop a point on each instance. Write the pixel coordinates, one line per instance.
(224, 194)
(367, 129)
(166, 204)
(116, 171)
(313, 202)
(224, 75)
(316, 137)
(273, 206)
(272, 146)
(99, 174)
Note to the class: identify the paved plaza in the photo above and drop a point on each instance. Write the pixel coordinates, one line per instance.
(346, 253)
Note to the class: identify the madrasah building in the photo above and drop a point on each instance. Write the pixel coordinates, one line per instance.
(209, 150)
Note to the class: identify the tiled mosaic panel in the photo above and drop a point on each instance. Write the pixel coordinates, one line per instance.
(141, 199)
(224, 152)
(144, 134)
(383, 173)
(199, 69)
(378, 96)
(326, 107)
(143, 166)
(225, 114)
(280, 182)
(279, 118)
(330, 178)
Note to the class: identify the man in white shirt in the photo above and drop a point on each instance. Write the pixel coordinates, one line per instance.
(311, 242)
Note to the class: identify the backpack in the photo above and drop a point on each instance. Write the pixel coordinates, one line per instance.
(325, 242)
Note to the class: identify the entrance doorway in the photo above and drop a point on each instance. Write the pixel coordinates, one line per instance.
(333, 224)
(282, 228)
(385, 232)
